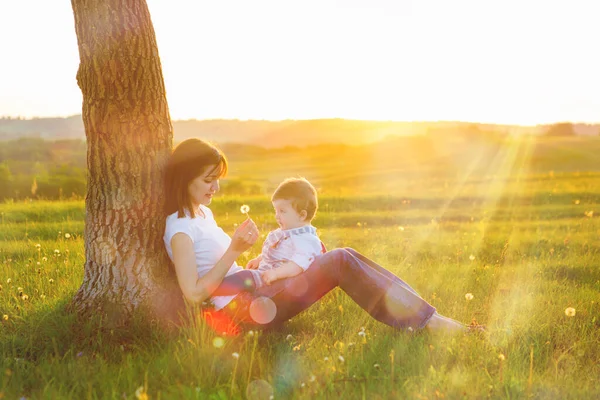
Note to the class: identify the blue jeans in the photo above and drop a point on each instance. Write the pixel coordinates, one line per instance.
(382, 294)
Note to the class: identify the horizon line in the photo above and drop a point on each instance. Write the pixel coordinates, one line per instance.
(32, 118)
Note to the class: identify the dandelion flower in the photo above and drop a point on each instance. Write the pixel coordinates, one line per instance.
(570, 312)
(141, 394)
(56, 251)
(67, 235)
(44, 258)
(361, 333)
(8, 280)
(471, 257)
(341, 359)
(469, 296)
(296, 348)
(589, 214)
(376, 366)
(5, 317)
(50, 280)
(42, 296)
(218, 342)
(38, 246)
(235, 355)
(501, 357)
(289, 338)
(245, 209)
(24, 297)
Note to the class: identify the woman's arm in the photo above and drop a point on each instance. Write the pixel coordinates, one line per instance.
(198, 289)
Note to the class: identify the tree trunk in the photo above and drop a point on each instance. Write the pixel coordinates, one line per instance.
(129, 137)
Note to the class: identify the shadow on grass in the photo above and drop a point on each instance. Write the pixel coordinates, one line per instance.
(55, 333)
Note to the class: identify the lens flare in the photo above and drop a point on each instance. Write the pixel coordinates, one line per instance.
(263, 310)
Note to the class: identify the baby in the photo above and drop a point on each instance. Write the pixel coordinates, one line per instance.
(288, 250)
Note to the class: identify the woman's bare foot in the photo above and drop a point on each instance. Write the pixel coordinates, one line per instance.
(439, 323)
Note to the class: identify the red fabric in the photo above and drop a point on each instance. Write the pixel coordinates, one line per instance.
(221, 322)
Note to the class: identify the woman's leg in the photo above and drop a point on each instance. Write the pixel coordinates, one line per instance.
(379, 268)
(437, 321)
(242, 281)
(387, 298)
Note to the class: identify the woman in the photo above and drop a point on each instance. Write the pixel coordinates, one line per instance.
(203, 254)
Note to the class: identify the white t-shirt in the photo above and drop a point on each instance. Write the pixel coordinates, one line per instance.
(210, 243)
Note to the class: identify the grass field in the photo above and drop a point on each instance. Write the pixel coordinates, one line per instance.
(518, 230)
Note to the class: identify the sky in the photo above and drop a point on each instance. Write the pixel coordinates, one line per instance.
(507, 61)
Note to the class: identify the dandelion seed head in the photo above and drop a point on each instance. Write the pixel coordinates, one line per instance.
(218, 342)
(245, 209)
(38, 246)
(341, 359)
(469, 296)
(67, 235)
(570, 312)
(235, 355)
(501, 357)
(471, 257)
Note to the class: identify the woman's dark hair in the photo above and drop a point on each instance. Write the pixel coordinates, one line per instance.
(188, 161)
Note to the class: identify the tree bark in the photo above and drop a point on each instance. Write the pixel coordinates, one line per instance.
(129, 137)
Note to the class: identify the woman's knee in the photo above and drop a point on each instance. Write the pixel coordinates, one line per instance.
(335, 257)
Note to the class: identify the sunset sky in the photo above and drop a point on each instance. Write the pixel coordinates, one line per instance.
(508, 61)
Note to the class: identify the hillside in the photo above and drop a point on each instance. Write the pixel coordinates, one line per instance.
(274, 134)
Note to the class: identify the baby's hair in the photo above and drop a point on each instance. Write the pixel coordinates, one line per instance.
(301, 193)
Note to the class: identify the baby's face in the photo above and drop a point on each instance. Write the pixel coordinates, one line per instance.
(286, 216)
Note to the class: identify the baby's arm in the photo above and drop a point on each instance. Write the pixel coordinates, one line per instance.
(285, 270)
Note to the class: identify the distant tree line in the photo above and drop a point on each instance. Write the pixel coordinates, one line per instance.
(35, 168)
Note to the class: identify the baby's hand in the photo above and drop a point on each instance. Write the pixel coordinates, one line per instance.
(254, 263)
(269, 276)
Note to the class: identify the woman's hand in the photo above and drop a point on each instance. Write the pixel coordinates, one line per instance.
(244, 237)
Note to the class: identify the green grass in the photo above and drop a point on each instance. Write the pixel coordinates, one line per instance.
(523, 246)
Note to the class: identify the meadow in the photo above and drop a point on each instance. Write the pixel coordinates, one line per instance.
(507, 234)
